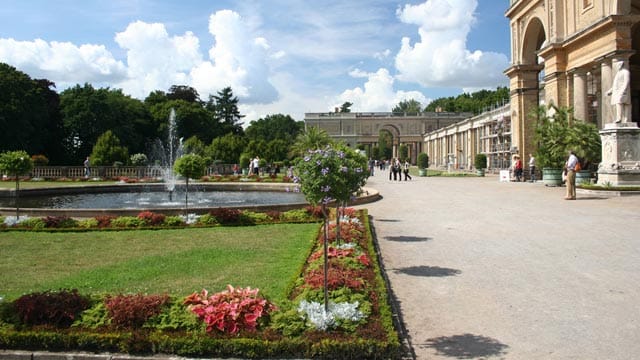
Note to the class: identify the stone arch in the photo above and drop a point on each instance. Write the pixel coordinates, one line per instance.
(534, 38)
(394, 131)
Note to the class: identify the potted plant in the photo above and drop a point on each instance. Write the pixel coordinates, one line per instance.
(423, 164)
(584, 139)
(551, 137)
(555, 134)
(480, 163)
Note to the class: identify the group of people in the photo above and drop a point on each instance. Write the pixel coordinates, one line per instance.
(397, 168)
(518, 169)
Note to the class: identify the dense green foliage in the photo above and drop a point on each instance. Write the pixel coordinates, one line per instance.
(108, 151)
(480, 161)
(475, 102)
(423, 160)
(556, 133)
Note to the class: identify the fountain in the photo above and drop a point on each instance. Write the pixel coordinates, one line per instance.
(165, 154)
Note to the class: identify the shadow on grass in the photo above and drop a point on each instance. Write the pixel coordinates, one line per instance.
(428, 271)
(466, 346)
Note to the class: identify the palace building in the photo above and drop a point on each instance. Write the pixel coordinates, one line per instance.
(564, 52)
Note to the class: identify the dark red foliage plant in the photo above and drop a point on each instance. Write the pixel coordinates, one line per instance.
(132, 311)
(58, 308)
(151, 218)
(226, 216)
(104, 221)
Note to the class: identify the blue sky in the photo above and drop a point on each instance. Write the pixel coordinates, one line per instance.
(278, 56)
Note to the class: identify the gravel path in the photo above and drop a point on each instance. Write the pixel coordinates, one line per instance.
(490, 270)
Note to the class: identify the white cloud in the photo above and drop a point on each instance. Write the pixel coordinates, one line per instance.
(155, 60)
(62, 62)
(238, 59)
(378, 94)
(440, 58)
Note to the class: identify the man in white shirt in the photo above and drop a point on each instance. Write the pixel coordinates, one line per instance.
(570, 167)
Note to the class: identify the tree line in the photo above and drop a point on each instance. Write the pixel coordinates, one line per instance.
(64, 128)
(112, 127)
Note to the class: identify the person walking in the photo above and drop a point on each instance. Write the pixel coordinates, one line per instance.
(406, 170)
(87, 167)
(517, 169)
(532, 168)
(570, 168)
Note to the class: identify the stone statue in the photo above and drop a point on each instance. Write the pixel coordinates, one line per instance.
(619, 92)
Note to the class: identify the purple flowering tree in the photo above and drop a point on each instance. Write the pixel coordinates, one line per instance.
(326, 176)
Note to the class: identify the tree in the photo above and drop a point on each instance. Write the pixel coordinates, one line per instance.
(193, 145)
(225, 109)
(183, 92)
(312, 138)
(475, 102)
(226, 148)
(274, 127)
(326, 175)
(189, 166)
(16, 163)
(409, 107)
(89, 113)
(346, 107)
(108, 151)
(25, 113)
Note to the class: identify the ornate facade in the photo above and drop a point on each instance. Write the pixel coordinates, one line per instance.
(564, 52)
(364, 128)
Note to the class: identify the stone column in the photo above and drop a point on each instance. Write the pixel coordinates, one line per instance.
(605, 101)
(580, 94)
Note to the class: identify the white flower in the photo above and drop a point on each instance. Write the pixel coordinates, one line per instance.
(12, 220)
(323, 320)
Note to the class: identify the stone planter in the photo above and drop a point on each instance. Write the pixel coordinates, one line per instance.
(552, 177)
(480, 172)
(422, 172)
(583, 177)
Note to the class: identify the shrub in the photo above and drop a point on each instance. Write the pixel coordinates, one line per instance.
(59, 308)
(229, 311)
(104, 220)
(59, 222)
(127, 222)
(32, 223)
(39, 160)
(207, 219)
(132, 311)
(226, 216)
(315, 211)
(139, 160)
(480, 161)
(88, 223)
(423, 161)
(253, 217)
(298, 215)
(174, 221)
(149, 218)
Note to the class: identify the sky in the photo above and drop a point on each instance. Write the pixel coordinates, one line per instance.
(278, 56)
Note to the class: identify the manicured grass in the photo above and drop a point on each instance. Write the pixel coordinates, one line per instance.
(177, 262)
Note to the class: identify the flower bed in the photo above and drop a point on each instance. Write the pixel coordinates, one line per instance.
(235, 322)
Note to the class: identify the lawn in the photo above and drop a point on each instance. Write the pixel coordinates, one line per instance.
(177, 262)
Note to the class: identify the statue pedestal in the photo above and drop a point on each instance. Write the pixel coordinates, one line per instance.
(620, 155)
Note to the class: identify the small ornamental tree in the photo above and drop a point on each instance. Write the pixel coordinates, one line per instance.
(328, 175)
(189, 166)
(16, 163)
(107, 151)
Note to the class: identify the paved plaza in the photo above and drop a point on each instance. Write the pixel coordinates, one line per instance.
(487, 270)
